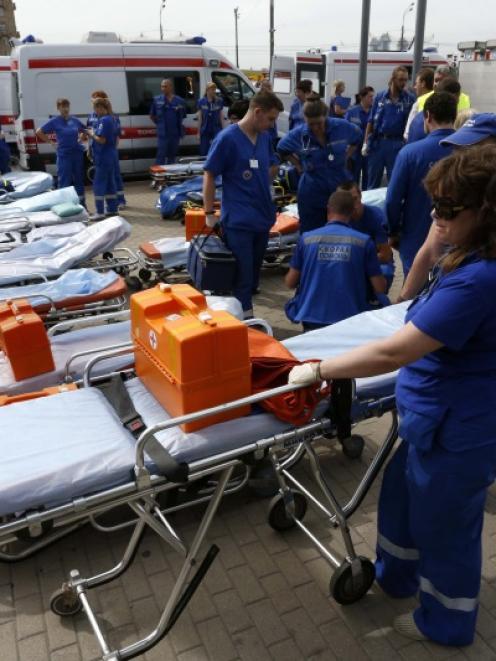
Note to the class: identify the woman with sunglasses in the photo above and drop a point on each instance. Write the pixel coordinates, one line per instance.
(432, 500)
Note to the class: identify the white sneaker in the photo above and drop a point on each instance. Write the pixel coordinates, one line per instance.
(97, 216)
(406, 626)
(122, 206)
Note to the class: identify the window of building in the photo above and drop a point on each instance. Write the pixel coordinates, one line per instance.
(144, 85)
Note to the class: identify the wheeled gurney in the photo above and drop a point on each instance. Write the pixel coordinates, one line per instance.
(103, 466)
(26, 184)
(11, 238)
(175, 173)
(42, 201)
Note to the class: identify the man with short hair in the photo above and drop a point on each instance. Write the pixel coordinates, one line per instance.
(408, 206)
(333, 268)
(444, 71)
(386, 125)
(242, 153)
(417, 127)
(167, 113)
(424, 83)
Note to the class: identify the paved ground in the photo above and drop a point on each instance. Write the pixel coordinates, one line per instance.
(266, 595)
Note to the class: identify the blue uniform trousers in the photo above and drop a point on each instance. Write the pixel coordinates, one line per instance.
(4, 157)
(361, 170)
(382, 155)
(167, 148)
(104, 187)
(205, 141)
(119, 184)
(249, 250)
(388, 273)
(431, 511)
(70, 172)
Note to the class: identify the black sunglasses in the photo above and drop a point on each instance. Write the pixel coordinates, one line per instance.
(446, 208)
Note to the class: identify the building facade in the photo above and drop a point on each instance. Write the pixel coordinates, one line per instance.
(8, 27)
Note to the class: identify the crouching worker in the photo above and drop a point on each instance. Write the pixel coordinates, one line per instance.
(332, 268)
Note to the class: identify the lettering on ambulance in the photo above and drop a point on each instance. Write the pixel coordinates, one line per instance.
(337, 253)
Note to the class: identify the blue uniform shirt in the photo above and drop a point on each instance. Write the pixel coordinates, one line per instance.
(67, 132)
(210, 115)
(416, 130)
(408, 206)
(92, 122)
(358, 116)
(389, 117)
(452, 391)
(296, 114)
(335, 263)
(104, 153)
(168, 116)
(373, 223)
(244, 166)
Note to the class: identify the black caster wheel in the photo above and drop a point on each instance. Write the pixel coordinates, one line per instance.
(107, 256)
(278, 517)
(65, 602)
(145, 275)
(346, 588)
(263, 481)
(270, 259)
(134, 283)
(353, 446)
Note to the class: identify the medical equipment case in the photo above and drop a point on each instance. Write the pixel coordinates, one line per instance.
(211, 264)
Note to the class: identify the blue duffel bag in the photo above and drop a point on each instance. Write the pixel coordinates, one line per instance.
(211, 264)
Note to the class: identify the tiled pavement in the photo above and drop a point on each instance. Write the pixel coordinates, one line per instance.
(266, 595)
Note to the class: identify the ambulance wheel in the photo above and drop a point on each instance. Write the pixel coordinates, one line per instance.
(90, 173)
(353, 446)
(65, 602)
(347, 589)
(278, 517)
(263, 481)
(145, 275)
(134, 283)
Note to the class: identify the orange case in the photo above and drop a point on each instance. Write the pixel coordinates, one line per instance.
(24, 340)
(189, 357)
(285, 224)
(5, 400)
(194, 222)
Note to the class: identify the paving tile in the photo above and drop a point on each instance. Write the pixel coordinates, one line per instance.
(33, 648)
(294, 570)
(8, 645)
(267, 622)
(304, 632)
(286, 651)
(250, 647)
(283, 597)
(233, 612)
(197, 654)
(70, 653)
(319, 608)
(7, 610)
(258, 559)
(30, 618)
(216, 640)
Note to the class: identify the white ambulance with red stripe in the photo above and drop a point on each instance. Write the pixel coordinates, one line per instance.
(130, 73)
(7, 119)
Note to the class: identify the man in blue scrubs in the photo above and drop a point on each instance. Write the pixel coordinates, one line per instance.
(242, 153)
(417, 129)
(302, 92)
(210, 108)
(359, 115)
(333, 268)
(386, 125)
(408, 207)
(167, 112)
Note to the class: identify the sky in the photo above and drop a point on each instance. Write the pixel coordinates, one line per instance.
(299, 24)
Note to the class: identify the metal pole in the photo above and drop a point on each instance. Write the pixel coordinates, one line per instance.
(402, 35)
(162, 5)
(271, 31)
(236, 16)
(364, 44)
(418, 49)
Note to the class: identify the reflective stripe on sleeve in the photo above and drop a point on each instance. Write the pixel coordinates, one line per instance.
(396, 551)
(464, 604)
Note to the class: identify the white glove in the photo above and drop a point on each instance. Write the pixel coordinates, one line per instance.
(211, 220)
(365, 150)
(305, 375)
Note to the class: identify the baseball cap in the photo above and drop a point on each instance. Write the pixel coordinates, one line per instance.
(475, 129)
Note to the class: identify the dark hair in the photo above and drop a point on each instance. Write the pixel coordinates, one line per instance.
(396, 71)
(314, 107)
(304, 85)
(63, 102)
(450, 85)
(364, 91)
(342, 203)
(349, 185)
(238, 108)
(468, 177)
(442, 106)
(99, 94)
(266, 101)
(102, 103)
(426, 75)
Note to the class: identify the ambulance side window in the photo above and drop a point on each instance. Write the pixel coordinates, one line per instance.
(144, 85)
(231, 86)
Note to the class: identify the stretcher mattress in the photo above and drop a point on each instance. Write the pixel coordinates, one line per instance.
(10, 239)
(15, 220)
(375, 198)
(27, 184)
(44, 201)
(86, 449)
(54, 256)
(184, 169)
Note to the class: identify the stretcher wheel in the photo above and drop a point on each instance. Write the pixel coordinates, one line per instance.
(145, 275)
(270, 259)
(263, 481)
(345, 588)
(134, 283)
(279, 519)
(107, 256)
(65, 602)
(353, 446)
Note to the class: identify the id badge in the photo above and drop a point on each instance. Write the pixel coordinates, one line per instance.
(253, 163)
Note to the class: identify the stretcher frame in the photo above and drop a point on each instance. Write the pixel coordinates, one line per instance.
(161, 180)
(352, 577)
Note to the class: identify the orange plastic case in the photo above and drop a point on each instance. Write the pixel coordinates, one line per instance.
(194, 222)
(24, 340)
(189, 357)
(5, 400)
(285, 224)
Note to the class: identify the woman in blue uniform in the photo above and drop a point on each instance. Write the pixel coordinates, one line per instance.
(359, 115)
(103, 136)
(302, 91)
(434, 489)
(320, 149)
(210, 116)
(68, 131)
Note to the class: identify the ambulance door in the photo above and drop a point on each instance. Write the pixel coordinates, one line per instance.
(232, 87)
(7, 119)
(312, 68)
(282, 77)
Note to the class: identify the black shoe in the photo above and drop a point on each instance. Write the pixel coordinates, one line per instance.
(255, 291)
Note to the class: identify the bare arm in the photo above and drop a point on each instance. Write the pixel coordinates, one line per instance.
(379, 284)
(292, 278)
(368, 131)
(208, 190)
(273, 171)
(43, 137)
(384, 253)
(428, 254)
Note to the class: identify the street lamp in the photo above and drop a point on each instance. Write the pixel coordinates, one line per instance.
(162, 7)
(407, 11)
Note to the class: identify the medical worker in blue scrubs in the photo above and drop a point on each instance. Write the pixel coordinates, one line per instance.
(302, 92)
(434, 490)
(408, 206)
(359, 115)
(103, 137)
(209, 115)
(320, 149)
(417, 129)
(386, 125)
(242, 153)
(333, 268)
(167, 112)
(69, 132)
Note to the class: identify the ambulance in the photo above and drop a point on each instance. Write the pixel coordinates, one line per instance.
(130, 73)
(7, 119)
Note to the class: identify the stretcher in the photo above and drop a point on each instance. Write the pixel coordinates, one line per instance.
(48, 258)
(11, 238)
(26, 184)
(103, 466)
(21, 221)
(41, 202)
(176, 173)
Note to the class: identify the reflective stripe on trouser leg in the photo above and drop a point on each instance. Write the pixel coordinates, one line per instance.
(397, 556)
(447, 497)
(119, 185)
(104, 187)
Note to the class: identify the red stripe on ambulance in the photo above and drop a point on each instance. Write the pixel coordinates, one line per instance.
(119, 62)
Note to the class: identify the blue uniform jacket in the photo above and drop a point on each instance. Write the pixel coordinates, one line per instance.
(416, 130)
(408, 206)
(210, 115)
(296, 114)
(67, 132)
(389, 117)
(358, 116)
(168, 116)
(103, 154)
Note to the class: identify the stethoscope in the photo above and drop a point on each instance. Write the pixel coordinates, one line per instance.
(306, 140)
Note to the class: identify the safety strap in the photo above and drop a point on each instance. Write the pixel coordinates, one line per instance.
(341, 400)
(118, 397)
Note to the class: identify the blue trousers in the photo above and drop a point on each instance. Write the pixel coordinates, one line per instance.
(119, 184)
(167, 148)
(104, 187)
(431, 512)
(249, 250)
(361, 170)
(205, 141)
(312, 211)
(4, 157)
(70, 172)
(382, 155)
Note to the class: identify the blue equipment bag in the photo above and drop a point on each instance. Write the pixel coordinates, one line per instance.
(211, 264)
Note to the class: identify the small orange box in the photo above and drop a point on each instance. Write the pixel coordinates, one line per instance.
(285, 224)
(24, 340)
(5, 400)
(189, 357)
(194, 222)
